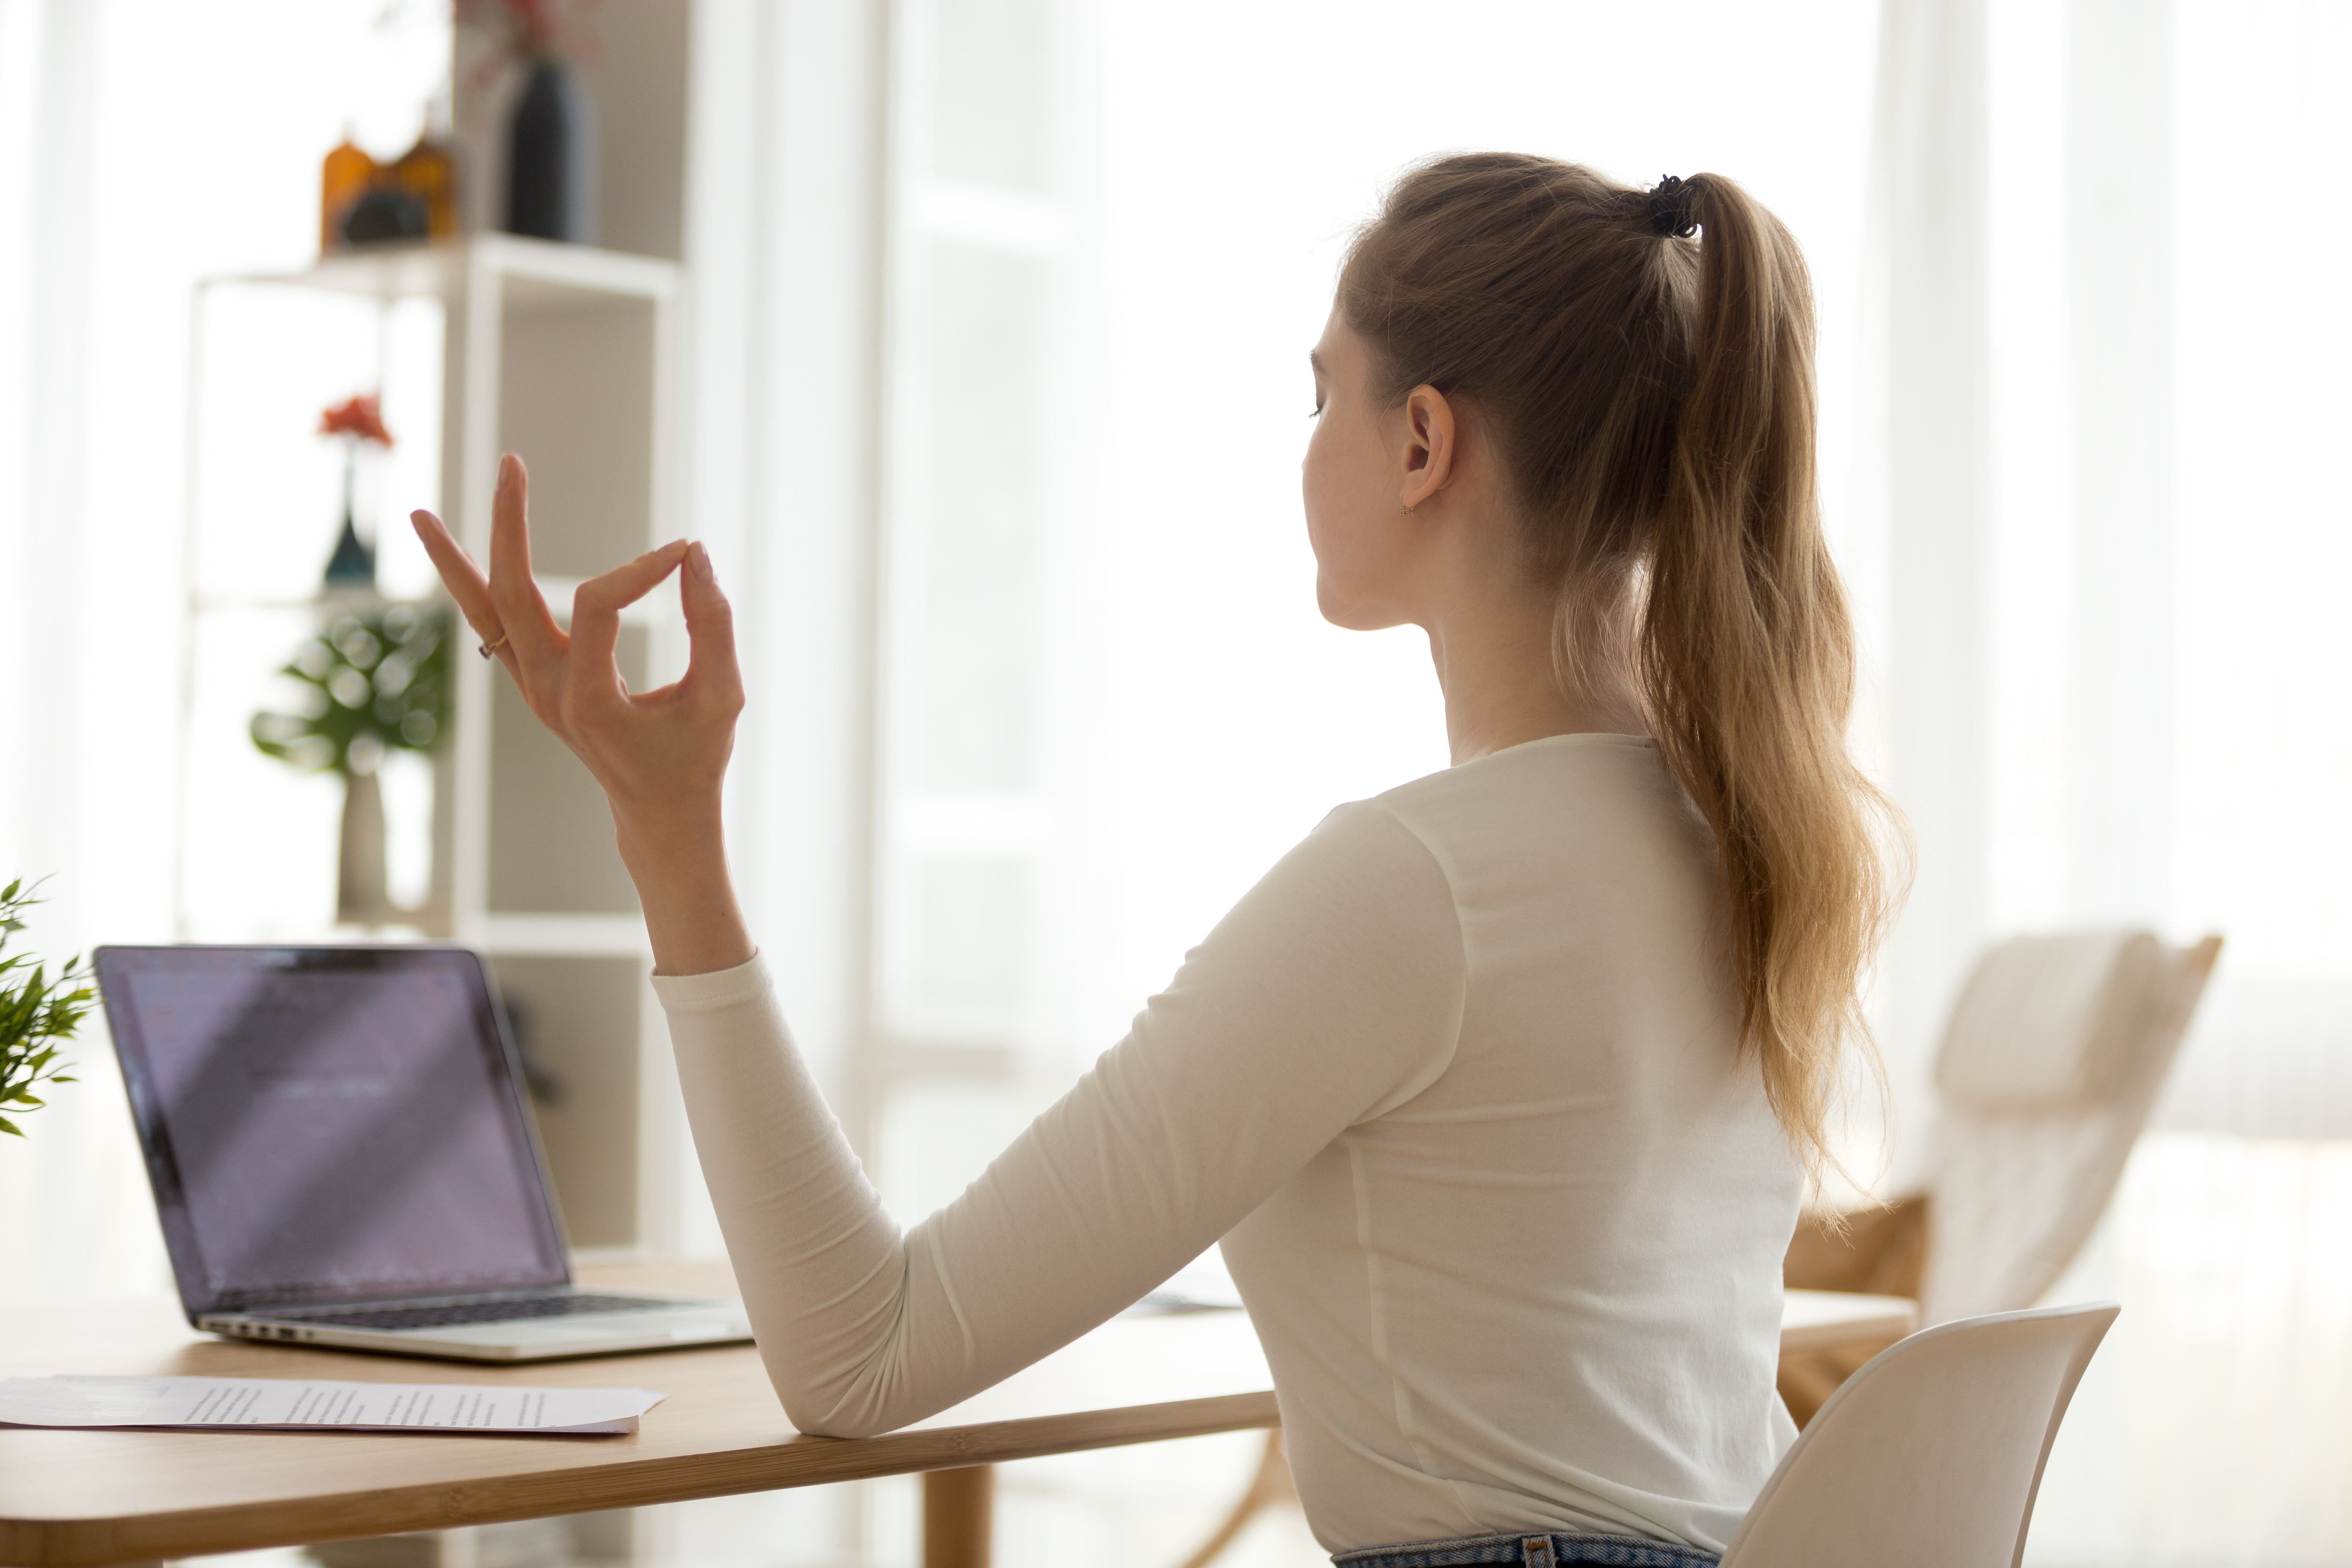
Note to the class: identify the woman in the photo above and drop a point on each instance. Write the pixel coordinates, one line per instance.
(1501, 1089)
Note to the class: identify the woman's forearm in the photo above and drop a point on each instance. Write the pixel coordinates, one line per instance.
(677, 857)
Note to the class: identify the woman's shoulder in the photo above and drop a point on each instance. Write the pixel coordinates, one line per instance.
(1564, 798)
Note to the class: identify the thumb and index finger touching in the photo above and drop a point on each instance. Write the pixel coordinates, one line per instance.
(709, 619)
(709, 628)
(504, 606)
(597, 603)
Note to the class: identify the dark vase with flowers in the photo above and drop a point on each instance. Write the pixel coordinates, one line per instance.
(551, 156)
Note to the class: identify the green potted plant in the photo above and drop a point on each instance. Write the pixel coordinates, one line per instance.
(371, 682)
(38, 1013)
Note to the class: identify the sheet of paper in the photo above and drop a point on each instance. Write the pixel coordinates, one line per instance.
(303, 1404)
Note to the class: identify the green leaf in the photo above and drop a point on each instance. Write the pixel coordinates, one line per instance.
(39, 1010)
(381, 676)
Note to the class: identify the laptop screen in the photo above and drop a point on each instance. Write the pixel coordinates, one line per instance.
(328, 1124)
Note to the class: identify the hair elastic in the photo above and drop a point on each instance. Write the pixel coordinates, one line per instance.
(1670, 207)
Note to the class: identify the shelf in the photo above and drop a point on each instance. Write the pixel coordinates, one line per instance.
(565, 936)
(582, 1022)
(537, 274)
(209, 603)
(565, 353)
(654, 609)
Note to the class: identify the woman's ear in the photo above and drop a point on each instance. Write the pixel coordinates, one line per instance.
(1430, 446)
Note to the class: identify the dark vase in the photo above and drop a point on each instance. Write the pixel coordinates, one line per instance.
(383, 215)
(551, 157)
(352, 566)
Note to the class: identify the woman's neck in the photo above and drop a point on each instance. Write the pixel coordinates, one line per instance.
(1496, 667)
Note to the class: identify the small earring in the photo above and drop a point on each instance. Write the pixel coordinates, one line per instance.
(1404, 510)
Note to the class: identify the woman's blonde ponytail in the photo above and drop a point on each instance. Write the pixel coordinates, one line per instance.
(1747, 662)
(1653, 397)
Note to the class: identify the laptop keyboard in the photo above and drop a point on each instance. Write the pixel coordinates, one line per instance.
(508, 1310)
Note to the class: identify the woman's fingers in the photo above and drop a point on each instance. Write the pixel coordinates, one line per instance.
(458, 574)
(568, 679)
(523, 616)
(596, 606)
(467, 586)
(463, 580)
(711, 668)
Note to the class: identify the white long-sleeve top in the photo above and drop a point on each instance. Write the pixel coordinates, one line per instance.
(1455, 1084)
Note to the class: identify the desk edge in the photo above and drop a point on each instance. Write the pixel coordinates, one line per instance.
(102, 1542)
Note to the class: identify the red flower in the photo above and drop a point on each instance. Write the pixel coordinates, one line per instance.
(361, 418)
(529, 28)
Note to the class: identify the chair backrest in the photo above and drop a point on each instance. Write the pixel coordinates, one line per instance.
(2052, 1064)
(2051, 1023)
(1930, 1456)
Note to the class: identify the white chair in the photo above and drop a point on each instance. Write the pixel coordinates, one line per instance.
(1930, 1456)
(2056, 1051)
(2049, 1065)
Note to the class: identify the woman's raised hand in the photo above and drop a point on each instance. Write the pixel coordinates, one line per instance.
(661, 755)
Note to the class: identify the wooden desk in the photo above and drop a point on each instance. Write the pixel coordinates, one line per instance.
(1816, 1321)
(89, 1499)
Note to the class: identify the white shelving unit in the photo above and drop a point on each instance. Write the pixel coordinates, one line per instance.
(567, 355)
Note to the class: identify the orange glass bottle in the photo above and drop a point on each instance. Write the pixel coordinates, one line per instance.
(428, 172)
(341, 178)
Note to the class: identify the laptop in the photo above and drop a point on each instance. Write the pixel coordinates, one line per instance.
(341, 1156)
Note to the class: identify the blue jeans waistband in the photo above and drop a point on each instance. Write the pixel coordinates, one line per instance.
(1536, 1551)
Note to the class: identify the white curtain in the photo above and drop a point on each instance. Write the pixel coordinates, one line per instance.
(1919, 553)
(2123, 688)
(72, 1210)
